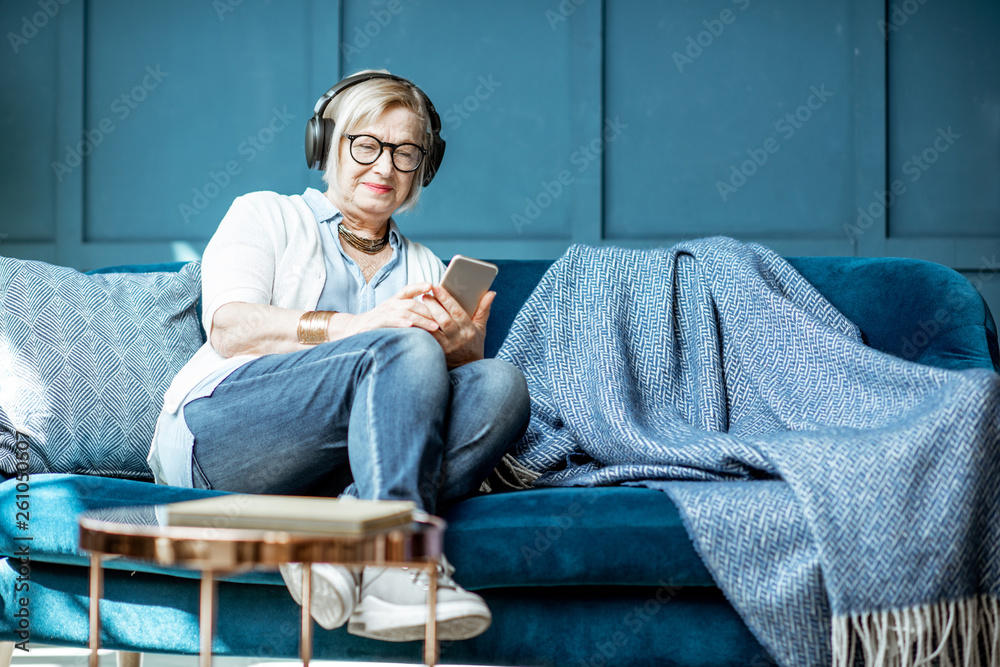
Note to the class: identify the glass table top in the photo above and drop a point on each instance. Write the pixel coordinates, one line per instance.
(142, 532)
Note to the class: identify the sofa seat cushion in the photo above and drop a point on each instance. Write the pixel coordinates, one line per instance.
(607, 536)
(55, 502)
(543, 537)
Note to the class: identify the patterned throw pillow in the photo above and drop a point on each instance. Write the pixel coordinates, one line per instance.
(84, 363)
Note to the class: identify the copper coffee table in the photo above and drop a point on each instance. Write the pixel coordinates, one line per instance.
(136, 533)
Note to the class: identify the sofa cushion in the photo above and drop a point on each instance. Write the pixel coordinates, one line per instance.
(161, 267)
(57, 500)
(84, 363)
(541, 537)
(605, 536)
(909, 308)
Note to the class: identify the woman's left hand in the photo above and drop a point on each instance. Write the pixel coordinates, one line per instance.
(462, 338)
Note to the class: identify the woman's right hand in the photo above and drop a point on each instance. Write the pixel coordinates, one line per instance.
(401, 310)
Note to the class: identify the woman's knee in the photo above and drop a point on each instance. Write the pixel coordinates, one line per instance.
(410, 344)
(502, 384)
(413, 358)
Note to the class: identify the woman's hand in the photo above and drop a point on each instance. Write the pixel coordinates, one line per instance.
(399, 311)
(257, 329)
(462, 338)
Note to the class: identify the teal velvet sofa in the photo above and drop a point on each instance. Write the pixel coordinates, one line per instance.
(574, 576)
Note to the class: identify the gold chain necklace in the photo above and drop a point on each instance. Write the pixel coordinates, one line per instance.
(370, 246)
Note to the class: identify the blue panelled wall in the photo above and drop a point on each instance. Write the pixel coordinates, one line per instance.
(818, 127)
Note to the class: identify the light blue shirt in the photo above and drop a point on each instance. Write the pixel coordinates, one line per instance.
(345, 291)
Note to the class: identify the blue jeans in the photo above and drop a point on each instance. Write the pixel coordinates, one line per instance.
(378, 412)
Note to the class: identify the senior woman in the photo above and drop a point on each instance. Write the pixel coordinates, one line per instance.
(335, 364)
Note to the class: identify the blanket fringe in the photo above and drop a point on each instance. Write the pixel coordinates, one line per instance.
(511, 475)
(962, 633)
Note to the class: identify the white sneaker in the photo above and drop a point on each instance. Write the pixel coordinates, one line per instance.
(333, 588)
(393, 606)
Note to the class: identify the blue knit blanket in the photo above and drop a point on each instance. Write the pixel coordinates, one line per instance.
(845, 500)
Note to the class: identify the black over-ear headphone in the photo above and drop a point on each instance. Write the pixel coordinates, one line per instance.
(319, 130)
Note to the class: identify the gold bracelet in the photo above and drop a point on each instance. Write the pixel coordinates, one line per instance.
(314, 326)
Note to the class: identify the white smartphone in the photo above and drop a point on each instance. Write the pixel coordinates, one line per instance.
(467, 280)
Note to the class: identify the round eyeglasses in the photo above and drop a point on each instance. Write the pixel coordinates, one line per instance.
(365, 149)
